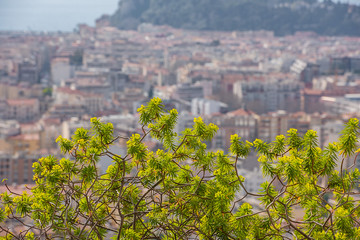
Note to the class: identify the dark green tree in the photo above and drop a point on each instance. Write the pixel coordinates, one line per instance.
(77, 58)
(241, 15)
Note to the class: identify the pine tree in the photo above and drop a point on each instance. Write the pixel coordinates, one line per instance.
(184, 191)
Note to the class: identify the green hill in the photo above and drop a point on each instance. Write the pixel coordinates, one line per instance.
(281, 16)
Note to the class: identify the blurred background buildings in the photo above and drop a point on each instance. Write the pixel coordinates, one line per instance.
(251, 83)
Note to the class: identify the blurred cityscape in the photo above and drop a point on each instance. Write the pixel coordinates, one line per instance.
(250, 83)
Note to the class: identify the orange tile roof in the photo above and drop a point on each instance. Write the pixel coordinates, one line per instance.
(14, 102)
(239, 112)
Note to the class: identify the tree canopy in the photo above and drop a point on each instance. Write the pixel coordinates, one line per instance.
(283, 17)
(185, 191)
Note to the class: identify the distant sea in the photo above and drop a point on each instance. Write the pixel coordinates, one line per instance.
(52, 15)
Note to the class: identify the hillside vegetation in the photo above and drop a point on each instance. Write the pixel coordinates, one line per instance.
(281, 16)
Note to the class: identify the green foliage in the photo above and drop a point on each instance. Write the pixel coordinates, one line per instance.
(184, 191)
(47, 92)
(76, 58)
(283, 17)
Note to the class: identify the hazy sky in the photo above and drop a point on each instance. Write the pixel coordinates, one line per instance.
(51, 15)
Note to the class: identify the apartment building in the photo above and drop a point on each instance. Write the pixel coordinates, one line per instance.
(23, 110)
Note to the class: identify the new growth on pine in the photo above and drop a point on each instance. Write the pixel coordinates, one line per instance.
(185, 191)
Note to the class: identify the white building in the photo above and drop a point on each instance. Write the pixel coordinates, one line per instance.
(201, 106)
(269, 95)
(23, 110)
(60, 70)
(339, 105)
(9, 128)
(71, 97)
